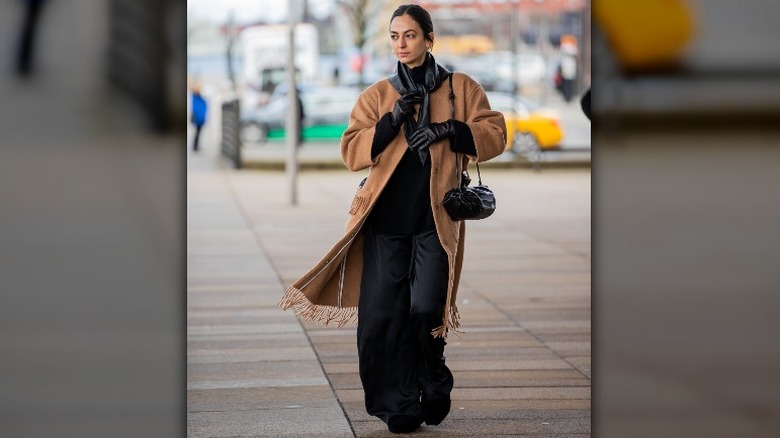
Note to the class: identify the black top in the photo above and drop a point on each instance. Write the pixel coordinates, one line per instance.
(404, 207)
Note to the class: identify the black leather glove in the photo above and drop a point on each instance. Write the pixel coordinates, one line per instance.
(404, 107)
(423, 137)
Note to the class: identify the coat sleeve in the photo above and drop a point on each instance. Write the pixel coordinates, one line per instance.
(487, 126)
(359, 136)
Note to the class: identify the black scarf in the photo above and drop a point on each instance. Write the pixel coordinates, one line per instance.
(403, 82)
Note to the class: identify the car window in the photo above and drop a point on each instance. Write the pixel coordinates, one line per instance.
(529, 104)
(500, 103)
(276, 105)
(322, 96)
(330, 102)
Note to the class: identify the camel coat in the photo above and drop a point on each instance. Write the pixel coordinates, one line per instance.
(329, 292)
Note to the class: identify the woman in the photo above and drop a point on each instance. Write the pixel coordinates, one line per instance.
(397, 268)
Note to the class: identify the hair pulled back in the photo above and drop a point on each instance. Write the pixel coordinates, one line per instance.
(418, 14)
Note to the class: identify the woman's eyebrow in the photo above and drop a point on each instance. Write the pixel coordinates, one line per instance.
(404, 31)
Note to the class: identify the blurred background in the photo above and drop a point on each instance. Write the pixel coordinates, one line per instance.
(531, 56)
(686, 278)
(95, 123)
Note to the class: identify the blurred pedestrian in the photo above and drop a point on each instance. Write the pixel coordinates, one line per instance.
(398, 267)
(26, 50)
(199, 111)
(568, 73)
(301, 117)
(558, 78)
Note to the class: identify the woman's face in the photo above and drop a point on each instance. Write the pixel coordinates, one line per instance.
(407, 41)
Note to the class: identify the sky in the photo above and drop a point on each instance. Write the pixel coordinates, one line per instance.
(250, 10)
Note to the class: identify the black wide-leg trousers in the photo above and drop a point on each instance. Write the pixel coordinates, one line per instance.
(403, 293)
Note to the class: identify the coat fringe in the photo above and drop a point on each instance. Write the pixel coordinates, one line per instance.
(308, 311)
(451, 314)
(452, 322)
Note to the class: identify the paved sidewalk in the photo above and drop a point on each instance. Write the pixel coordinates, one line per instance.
(251, 370)
(521, 367)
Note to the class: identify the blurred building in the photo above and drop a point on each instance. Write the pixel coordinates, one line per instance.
(530, 28)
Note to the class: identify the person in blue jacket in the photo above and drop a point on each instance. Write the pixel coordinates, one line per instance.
(199, 110)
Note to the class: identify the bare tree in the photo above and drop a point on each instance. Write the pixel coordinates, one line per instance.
(360, 13)
(231, 32)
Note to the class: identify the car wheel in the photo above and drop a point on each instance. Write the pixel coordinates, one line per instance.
(527, 145)
(252, 133)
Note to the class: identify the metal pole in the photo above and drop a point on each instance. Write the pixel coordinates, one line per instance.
(513, 34)
(292, 113)
(584, 76)
(543, 43)
(231, 40)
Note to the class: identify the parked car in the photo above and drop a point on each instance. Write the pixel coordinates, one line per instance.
(326, 115)
(530, 127)
(531, 67)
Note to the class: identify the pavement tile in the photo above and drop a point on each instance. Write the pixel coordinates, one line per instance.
(231, 299)
(523, 405)
(558, 325)
(251, 370)
(488, 379)
(576, 336)
(244, 315)
(321, 335)
(256, 382)
(495, 410)
(486, 427)
(543, 393)
(522, 361)
(483, 352)
(233, 329)
(268, 423)
(247, 341)
(519, 379)
(350, 367)
(334, 349)
(250, 355)
(549, 393)
(226, 279)
(570, 348)
(226, 399)
(294, 370)
(507, 335)
(500, 364)
(219, 289)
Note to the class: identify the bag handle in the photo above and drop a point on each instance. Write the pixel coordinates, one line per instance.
(457, 161)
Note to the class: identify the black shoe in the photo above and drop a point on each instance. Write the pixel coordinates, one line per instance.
(403, 423)
(436, 402)
(436, 411)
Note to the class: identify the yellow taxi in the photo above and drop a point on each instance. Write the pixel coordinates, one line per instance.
(646, 34)
(530, 127)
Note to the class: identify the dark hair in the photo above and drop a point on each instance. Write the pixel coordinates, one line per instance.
(418, 14)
